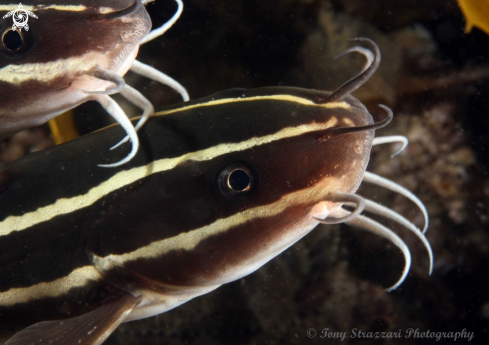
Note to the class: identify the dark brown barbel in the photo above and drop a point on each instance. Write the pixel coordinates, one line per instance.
(373, 61)
(334, 132)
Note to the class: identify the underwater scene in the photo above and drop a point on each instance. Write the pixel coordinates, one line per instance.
(244, 172)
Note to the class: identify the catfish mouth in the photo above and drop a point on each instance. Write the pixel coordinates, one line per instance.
(132, 24)
(323, 209)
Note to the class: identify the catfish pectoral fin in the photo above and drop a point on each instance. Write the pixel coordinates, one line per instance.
(89, 329)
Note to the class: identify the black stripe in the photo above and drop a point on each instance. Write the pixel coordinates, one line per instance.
(219, 253)
(44, 252)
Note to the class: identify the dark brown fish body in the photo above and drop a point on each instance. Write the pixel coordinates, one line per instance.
(220, 186)
(164, 205)
(48, 73)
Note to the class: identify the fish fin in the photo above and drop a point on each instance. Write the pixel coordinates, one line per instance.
(88, 329)
(475, 13)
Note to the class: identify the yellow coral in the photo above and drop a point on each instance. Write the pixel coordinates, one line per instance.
(476, 13)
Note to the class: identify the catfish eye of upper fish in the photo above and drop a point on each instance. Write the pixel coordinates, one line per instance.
(14, 42)
(237, 180)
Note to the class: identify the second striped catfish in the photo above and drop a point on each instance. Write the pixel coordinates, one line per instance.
(76, 51)
(220, 186)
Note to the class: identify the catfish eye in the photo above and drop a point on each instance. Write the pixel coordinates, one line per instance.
(14, 42)
(237, 180)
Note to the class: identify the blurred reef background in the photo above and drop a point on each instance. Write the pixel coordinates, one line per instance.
(436, 79)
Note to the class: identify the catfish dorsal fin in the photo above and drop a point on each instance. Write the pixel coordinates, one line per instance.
(88, 329)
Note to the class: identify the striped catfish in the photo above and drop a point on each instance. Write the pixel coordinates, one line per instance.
(75, 51)
(220, 186)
